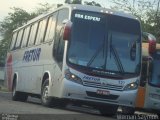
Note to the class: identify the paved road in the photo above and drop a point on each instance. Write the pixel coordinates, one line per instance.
(33, 110)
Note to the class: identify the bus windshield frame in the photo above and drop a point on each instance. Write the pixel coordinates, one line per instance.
(98, 44)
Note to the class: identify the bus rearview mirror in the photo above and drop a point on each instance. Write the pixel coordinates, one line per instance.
(67, 29)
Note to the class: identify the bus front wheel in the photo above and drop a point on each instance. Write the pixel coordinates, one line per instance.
(128, 110)
(109, 110)
(45, 99)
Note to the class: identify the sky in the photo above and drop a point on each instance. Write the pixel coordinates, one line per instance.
(30, 5)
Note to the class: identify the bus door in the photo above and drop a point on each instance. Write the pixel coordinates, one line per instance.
(153, 88)
(145, 76)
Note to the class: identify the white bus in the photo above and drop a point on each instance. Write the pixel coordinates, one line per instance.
(148, 97)
(82, 53)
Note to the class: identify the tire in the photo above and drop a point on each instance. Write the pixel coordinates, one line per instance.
(158, 116)
(128, 110)
(109, 110)
(18, 96)
(45, 99)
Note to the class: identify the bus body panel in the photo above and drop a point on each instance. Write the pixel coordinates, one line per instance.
(75, 91)
(148, 97)
(140, 99)
(152, 100)
(71, 90)
(30, 70)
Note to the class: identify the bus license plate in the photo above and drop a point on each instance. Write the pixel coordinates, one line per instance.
(103, 92)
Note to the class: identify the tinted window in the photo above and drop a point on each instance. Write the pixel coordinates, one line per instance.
(87, 37)
(59, 42)
(51, 28)
(125, 42)
(105, 42)
(14, 37)
(41, 31)
(26, 36)
(33, 34)
(19, 38)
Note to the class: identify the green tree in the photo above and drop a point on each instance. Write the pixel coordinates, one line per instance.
(73, 1)
(15, 19)
(146, 10)
(43, 8)
(92, 3)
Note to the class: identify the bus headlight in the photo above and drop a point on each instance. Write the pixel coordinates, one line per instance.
(131, 86)
(72, 77)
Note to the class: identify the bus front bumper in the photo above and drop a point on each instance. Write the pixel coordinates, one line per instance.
(74, 91)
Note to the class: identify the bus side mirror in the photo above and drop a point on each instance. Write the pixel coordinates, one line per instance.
(67, 29)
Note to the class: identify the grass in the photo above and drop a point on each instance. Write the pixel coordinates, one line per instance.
(3, 89)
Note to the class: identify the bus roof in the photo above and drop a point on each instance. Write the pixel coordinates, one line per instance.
(80, 7)
(102, 10)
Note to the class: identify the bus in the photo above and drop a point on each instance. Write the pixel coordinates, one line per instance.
(148, 97)
(87, 54)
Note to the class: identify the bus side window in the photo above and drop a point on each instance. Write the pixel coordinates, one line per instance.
(50, 32)
(25, 36)
(33, 34)
(59, 42)
(14, 37)
(41, 31)
(19, 38)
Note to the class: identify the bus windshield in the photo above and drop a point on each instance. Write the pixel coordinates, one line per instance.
(105, 42)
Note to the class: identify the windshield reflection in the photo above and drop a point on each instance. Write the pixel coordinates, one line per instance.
(105, 44)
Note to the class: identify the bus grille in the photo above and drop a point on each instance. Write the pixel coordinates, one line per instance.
(99, 85)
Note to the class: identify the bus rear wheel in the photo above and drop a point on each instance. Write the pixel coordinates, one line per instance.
(45, 99)
(18, 96)
(108, 110)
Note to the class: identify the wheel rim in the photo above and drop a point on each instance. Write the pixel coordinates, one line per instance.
(45, 94)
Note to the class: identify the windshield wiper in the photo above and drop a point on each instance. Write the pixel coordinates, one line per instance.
(116, 57)
(96, 54)
(111, 74)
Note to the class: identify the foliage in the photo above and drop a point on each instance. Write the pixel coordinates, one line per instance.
(43, 8)
(15, 19)
(73, 1)
(92, 3)
(146, 10)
